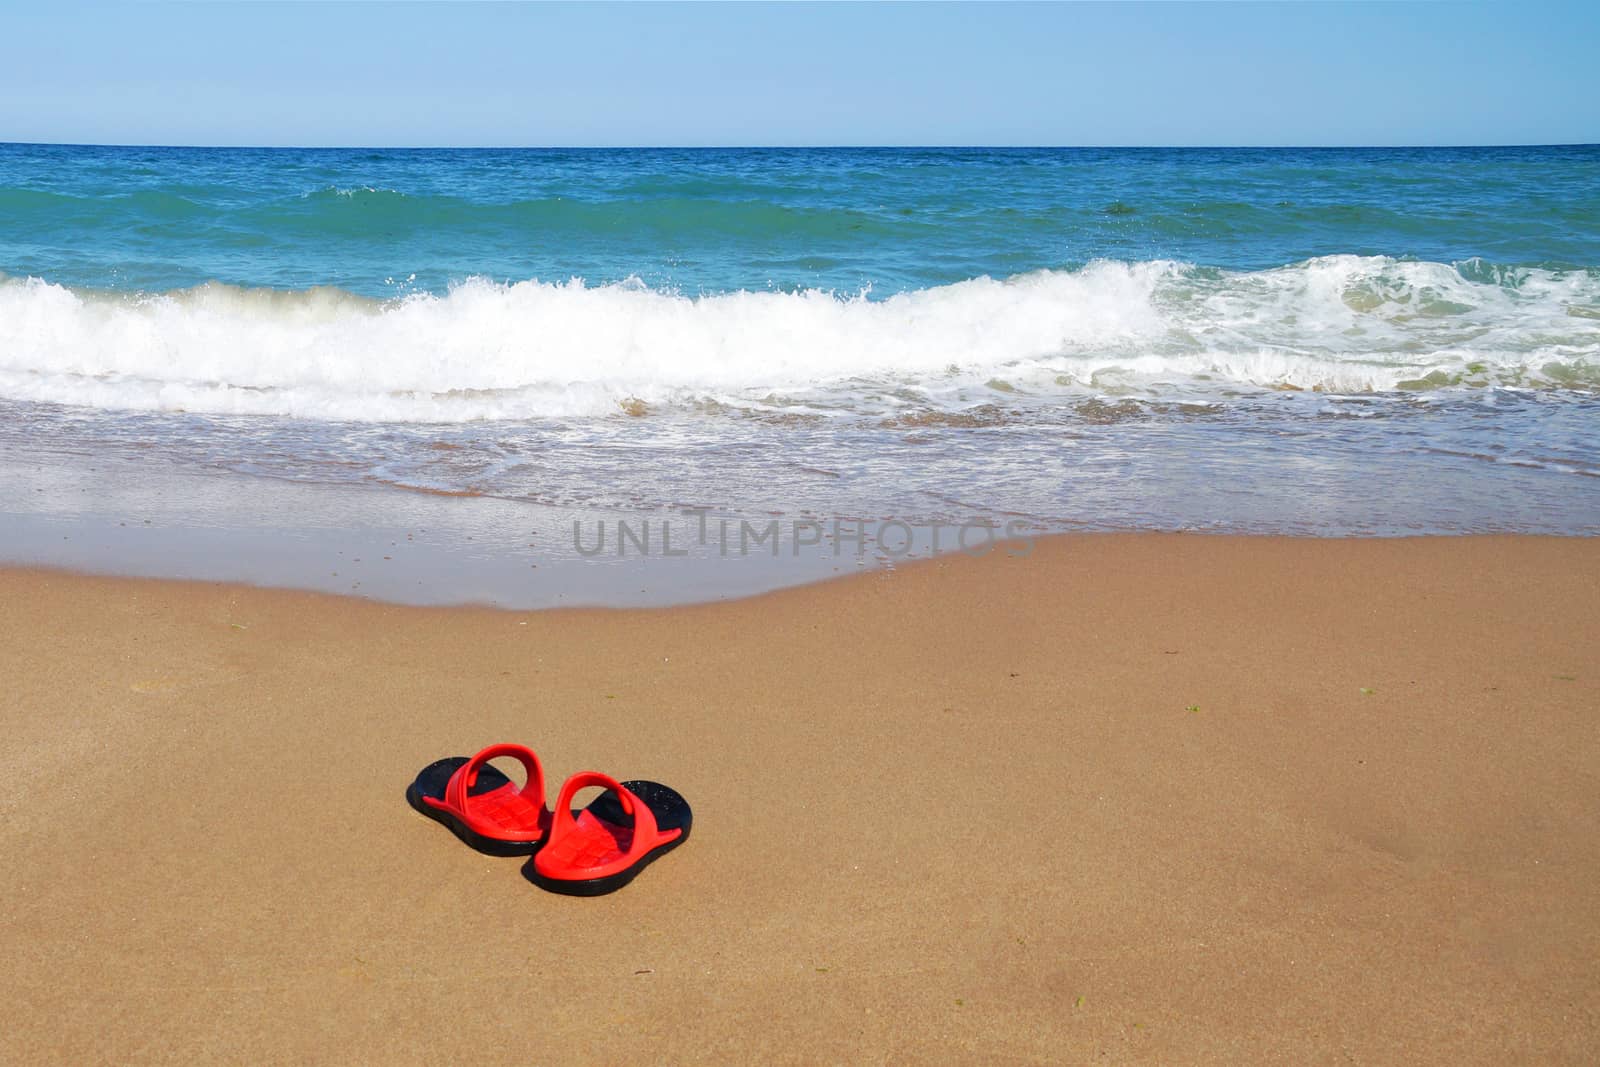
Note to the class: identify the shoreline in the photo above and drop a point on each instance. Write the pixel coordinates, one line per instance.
(1151, 797)
(869, 566)
(87, 503)
(116, 518)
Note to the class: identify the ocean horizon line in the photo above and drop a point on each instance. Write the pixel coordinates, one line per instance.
(861, 147)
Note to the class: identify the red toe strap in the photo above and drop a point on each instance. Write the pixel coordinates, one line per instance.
(644, 820)
(490, 819)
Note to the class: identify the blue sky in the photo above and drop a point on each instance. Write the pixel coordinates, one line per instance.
(457, 73)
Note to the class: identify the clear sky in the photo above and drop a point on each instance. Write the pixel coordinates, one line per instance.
(458, 73)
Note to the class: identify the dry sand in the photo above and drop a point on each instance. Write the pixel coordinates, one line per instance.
(1141, 797)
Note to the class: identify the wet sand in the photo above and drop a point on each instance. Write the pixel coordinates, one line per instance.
(1128, 797)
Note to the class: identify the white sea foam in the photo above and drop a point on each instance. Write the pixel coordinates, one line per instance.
(485, 350)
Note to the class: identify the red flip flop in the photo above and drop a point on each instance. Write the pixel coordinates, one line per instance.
(483, 807)
(608, 843)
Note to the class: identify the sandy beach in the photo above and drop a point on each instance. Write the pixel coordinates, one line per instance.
(1128, 797)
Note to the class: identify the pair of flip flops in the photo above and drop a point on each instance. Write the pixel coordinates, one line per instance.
(584, 852)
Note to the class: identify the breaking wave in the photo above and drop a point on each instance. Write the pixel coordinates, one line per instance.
(489, 350)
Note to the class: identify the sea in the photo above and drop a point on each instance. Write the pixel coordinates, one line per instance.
(551, 376)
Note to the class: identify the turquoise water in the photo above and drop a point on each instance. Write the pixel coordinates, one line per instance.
(1311, 341)
(382, 223)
